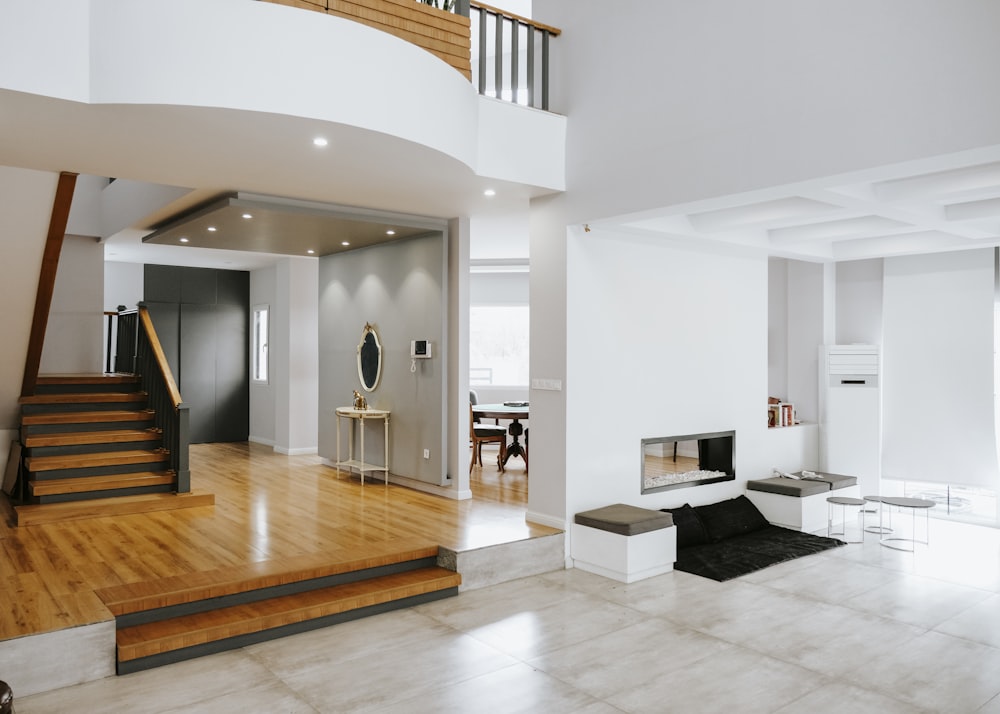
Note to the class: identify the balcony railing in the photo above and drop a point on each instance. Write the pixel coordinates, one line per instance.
(504, 55)
(510, 54)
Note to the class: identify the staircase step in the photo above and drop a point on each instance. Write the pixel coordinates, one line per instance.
(76, 379)
(240, 624)
(37, 514)
(168, 592)
(37, 464)
(85, 398)
(87, 417)
(81, 438)
(110, 482)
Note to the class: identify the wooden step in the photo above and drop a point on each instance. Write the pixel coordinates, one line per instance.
(83, 438)
(86, 398)
(168, 592)
(38, 464)
(77, 379)
(87, 417)
(109, 482)
(157, 638)
(38, 514)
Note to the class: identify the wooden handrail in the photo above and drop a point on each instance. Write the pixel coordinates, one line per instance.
(47, 279)
(554, 31)
(161, 359)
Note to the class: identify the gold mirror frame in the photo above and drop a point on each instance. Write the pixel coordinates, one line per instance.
(369, 358)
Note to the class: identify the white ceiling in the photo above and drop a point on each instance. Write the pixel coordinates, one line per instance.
(940, 204)
(944, 204)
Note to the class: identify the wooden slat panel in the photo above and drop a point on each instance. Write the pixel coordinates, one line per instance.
(191, 587)
(86, 484)
(101, 507)
(412, 34)
(319, 6)
(180, 632)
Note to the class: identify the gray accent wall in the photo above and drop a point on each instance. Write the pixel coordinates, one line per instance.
(401, 289)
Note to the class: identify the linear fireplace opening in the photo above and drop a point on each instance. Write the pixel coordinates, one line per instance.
(687, 460)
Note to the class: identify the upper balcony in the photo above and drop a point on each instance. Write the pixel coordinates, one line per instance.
(193, 93)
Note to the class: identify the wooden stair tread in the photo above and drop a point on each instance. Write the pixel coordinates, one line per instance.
(88, 417)
(77, 438)
(190, 630)
(85, 398)
(36, 514)
(190, 587)
(74, 379)
(104, 482)
(35, 464)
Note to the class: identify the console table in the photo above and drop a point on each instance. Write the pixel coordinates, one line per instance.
(359, 416)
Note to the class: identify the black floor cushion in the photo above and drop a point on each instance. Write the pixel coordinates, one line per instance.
(739, 555)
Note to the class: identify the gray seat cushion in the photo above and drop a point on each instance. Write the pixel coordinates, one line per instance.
(800, 488)
(624, 519)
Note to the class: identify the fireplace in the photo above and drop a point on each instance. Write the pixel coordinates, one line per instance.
(670, 462)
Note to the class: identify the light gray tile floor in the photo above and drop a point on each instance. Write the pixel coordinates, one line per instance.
(861, 629)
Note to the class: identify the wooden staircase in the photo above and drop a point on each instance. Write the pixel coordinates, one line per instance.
(173, 619)
(90, 449)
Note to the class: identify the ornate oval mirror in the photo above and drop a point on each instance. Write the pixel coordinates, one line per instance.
(369, 358)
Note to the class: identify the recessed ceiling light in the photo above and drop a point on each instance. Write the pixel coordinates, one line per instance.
(344, 242)
(212, 229)
(489, 192)
(311, 251)
(184, 240)
(248, 215)
(320, 141)
(390, 232)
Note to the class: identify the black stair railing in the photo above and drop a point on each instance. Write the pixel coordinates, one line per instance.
(150, 365)
(125, 340)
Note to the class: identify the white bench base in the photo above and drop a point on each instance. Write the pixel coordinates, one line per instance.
(624, 558)
(808, 514)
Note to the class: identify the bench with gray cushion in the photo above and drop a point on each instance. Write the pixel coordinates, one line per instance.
(623, 542)
(800, 503)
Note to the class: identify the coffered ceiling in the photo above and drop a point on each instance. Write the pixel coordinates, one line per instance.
(906, 210)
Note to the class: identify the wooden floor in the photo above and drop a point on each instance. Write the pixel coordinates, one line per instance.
(267, 506)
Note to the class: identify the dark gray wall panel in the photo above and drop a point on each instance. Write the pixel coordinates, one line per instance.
(198, 377)
(232, 388)
(166, 322)
(161, 284)
(198, 286)
(233, 288)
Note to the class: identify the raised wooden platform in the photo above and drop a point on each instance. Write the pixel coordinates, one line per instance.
(171, 619)
(37, 514)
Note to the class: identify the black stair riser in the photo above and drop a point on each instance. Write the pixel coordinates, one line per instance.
(62, 407)
(137, 665)
(217, 603)
(28, 429)
(152, 443)
(98, 470)
(90, 495)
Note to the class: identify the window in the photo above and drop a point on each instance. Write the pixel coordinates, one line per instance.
(260, 333)
(498, 345)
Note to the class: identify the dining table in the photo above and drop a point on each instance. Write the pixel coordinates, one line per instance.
(515, 412)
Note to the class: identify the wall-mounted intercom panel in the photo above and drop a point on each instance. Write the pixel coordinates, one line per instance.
(420, 349)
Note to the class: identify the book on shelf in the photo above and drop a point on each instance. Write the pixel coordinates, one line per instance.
(781, 414)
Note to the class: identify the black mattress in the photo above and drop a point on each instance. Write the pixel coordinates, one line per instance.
(747, 553)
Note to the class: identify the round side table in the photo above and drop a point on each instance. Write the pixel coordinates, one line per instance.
(914, 504)
(843, 502)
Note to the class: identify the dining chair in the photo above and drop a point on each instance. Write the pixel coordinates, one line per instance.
(485, 434)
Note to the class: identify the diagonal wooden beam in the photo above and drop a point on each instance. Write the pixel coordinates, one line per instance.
(47, 279)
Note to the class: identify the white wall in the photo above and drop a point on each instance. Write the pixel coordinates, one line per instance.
(74, 337)
(739, 96)
(297, 360)
(806, 297)
(859, 302)
(664, 340)
(263, 291)
(777, 328)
